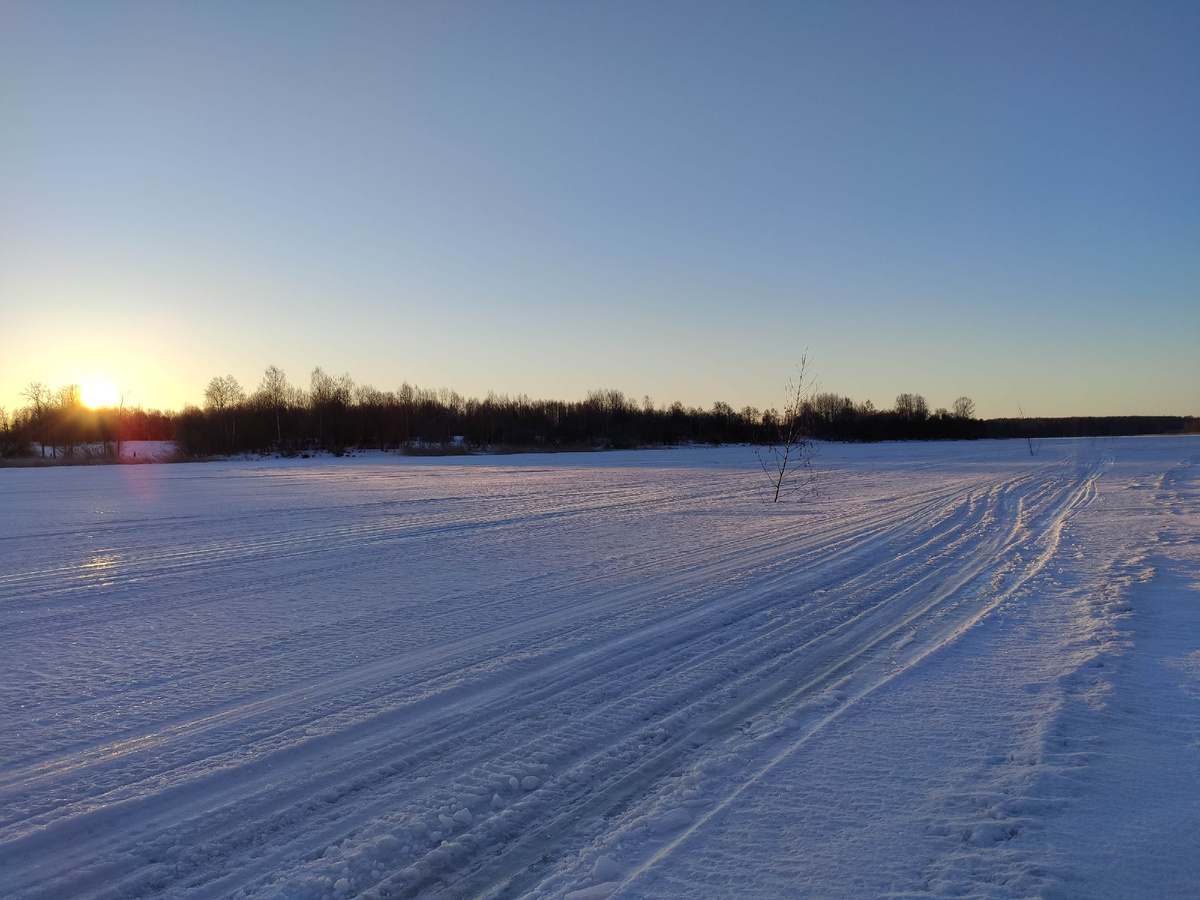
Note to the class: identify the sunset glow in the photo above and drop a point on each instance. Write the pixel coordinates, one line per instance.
(673, 200)
(97, 392)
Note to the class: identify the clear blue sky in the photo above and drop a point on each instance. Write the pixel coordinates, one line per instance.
(675, 199)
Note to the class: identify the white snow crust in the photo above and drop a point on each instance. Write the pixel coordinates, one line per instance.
(959, 671)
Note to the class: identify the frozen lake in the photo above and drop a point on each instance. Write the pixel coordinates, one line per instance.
(960, 670)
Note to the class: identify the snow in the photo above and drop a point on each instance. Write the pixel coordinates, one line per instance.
(959, 671)
(131, 451)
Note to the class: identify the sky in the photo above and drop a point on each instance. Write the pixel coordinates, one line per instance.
(673, 199)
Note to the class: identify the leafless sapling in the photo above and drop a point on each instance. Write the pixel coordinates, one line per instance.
(788, 459)
(1033, 446)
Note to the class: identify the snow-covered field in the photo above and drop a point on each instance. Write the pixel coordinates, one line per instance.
(959, 671)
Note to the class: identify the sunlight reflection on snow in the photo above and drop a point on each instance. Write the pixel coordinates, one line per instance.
(100, 567)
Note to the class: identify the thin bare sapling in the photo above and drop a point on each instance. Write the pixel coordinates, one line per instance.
(788, 460)
(1034, 446)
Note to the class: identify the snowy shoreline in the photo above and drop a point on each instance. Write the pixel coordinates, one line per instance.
(166, 452)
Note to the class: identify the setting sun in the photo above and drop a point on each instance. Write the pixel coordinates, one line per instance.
(97, 392)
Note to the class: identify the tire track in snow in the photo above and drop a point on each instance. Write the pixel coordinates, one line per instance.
(129, 565)
(846, 656)
(687, 652)
(316, 692)
(626, 786)
(1045, 529)
(750, 553)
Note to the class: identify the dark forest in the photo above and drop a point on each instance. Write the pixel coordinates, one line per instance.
(336, 415)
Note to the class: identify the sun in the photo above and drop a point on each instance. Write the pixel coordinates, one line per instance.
(97, 392)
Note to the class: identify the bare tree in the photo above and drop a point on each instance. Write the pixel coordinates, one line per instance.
(68, 404)
(222, 393)
(368, 399)
(38, 396)
(329, 396)
(912, 407)
(222, 397)
(831, 406)
(121, 422)
(406, 398)
(273, 392)
(331, 389)
(788, 462)
(964, 408)
(14, 432)
(723, 411)
(1033, 445)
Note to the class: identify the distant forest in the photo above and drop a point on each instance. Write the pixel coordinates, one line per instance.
(334, 414)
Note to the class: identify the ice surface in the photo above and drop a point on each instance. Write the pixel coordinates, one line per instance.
(959, 671)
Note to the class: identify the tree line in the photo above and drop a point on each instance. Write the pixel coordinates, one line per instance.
(56, 424)
(334, 414)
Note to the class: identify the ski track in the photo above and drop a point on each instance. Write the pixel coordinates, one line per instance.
(564, 644)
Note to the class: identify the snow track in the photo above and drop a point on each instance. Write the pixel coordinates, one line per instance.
(464, 681)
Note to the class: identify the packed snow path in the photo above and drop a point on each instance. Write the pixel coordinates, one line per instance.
(608, 675)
